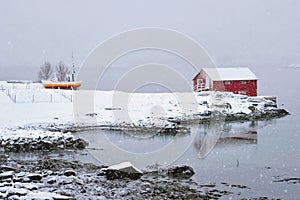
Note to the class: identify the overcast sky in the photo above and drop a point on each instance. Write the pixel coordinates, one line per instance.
(254, 33)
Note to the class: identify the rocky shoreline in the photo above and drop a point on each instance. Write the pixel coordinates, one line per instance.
(57, 179)
(29, 140)
(171, 125)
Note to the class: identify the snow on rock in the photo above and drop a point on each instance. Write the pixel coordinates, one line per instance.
(126, 167)
(6, 175)
(26, 140)
(70, 172)
(122, 170)
(12, 187)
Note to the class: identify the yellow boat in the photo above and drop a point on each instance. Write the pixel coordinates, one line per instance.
(62, 85)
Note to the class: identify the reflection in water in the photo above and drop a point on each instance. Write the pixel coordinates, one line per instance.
(208, 135)
(110, 147)
(221, 134)
(164, 149)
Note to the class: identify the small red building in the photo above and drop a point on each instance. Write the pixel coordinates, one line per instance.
(240, 80)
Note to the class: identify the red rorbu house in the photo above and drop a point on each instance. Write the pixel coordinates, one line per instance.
(240, 80)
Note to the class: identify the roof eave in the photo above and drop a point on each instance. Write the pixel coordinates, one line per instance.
(251, 79)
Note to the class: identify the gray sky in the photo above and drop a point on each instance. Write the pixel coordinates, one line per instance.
(254, 33)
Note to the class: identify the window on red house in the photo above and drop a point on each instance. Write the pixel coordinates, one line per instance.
(199, 81)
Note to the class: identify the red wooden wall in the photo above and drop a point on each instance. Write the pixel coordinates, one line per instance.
(248, 87)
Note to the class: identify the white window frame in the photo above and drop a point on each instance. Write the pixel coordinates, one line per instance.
(227, 82)
(198, 80)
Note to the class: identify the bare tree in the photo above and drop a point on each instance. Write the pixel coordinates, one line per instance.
(46, 71)
(61, 71)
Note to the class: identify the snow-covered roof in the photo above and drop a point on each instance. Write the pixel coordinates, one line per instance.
(223, 74)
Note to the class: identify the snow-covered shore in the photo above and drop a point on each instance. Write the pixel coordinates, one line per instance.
(25, 104)
(31, 108)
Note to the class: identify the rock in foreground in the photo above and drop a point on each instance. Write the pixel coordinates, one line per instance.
(181, 172)
(122, 170)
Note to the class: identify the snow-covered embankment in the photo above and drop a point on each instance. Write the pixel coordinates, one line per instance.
(33, 114)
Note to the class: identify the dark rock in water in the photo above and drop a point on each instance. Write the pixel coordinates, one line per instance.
(123, 170)
(181, 172)
(34, 177)
(80, 144)
(116, 174)
(70, 173)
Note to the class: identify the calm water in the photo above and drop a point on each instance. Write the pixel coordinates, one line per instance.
(249, 153)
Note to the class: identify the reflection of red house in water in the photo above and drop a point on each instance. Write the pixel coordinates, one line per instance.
(237, 80)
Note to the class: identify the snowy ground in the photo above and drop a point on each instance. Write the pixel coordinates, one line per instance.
(31, 108)
(23, 104)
